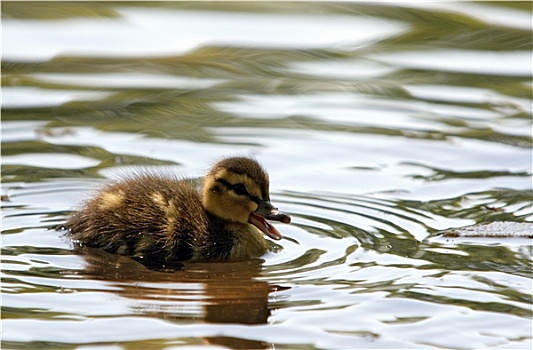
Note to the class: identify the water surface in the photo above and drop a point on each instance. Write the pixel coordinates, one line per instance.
(381, 125)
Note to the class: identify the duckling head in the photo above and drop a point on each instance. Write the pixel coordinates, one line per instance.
(237, 189)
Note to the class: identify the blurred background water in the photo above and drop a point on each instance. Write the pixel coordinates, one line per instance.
(381, 125)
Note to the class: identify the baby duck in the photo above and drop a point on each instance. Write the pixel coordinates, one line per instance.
(163, 221)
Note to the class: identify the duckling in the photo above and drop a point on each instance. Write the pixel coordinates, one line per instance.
(162, 221)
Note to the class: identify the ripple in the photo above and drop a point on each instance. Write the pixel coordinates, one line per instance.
(345, 256)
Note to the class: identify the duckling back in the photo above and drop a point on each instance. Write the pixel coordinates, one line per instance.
(155, 220)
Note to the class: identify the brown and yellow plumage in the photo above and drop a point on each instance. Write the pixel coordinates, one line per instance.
(162, 221)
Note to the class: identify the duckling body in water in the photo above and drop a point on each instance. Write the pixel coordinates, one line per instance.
(161, 221)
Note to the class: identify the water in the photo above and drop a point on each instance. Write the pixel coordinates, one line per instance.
(381, 125)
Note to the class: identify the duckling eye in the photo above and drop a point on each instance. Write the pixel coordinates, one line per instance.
(240, 190)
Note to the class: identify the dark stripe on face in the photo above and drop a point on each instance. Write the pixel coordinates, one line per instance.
(239, 189)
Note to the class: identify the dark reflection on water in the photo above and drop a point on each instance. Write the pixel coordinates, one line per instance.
(228, 292)
(199, 292)
(205, 292)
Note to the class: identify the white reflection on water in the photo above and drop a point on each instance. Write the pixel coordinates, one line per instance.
(127, 80)
(16, 97)
(184, 30)
(51, 161)
(463, 61)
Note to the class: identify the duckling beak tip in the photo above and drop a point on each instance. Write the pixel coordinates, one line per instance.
(279, 216)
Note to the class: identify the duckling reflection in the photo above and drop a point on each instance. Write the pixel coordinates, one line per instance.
(162, 222)
(198, 292)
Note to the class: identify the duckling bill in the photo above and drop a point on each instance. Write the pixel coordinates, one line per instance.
(162, 221)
